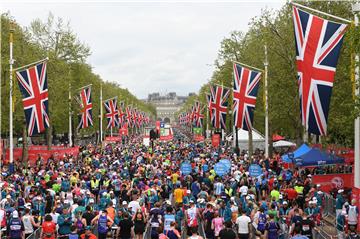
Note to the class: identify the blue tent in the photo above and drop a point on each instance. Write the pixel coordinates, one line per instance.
(303, 149)
(316, 157)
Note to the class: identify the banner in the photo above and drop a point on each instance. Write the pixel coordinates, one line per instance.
(113, 138)
(197, 130)
(220, 169)
(215, 140)
(330, 182)
(199, 137)
(255, 170)
(124, 130)
(57, 152)
(185, 168)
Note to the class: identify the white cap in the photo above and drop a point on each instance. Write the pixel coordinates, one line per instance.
(66, 201)
(91, 200)
(124, 203)
(8, 196)
(320, 192)
(280, 196)
(188, 191)
(318, 185)
(248, 197)
(285, 202)
(340, 190)
(15, 214)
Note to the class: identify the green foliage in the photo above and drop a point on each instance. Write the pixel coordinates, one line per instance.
(66, 68)
(275, 29)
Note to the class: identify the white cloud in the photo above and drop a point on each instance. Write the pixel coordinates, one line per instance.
(149, 47)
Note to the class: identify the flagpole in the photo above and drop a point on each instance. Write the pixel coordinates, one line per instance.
(323, 13)
(266, 105)
(247, 66)
(356, 11)
(101, 114)
(70, 120)
(235, 133)
(11, 149)
(31, 64)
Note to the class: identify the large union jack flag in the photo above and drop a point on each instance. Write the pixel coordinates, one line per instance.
(246, 85)
(219, 97)
(318, 43)
(112, 113)
(84, 100)
(34, 89)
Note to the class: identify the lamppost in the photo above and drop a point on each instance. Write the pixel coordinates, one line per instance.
(356, 11)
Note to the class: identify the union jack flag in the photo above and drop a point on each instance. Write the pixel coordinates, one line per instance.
(219, 97)
(122, 114)
(112, 113)
(208, 100)
(198, 116)
(34, 89)
(140, 118)
(129, 116)
(147, 119)
(318, 43)
(135, 118)
(246, 85)
(84, 100)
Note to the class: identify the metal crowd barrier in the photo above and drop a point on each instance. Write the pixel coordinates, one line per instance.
(201, 229)
(184, 229)
(284, 234)
(329, 205)
(35, 235)
(147, 233)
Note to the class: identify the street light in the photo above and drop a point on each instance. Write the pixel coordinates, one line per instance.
(356, 10)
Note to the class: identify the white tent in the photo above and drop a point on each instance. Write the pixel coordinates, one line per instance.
(243, 138)
(283, 143)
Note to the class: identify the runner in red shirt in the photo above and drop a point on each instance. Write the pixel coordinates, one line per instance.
(48, 228)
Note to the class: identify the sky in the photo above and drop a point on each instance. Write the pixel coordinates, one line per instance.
(148, 46)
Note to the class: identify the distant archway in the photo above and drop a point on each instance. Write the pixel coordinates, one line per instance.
(167, 120)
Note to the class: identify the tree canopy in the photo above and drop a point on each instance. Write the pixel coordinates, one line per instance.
(66, 67)
(275, 29)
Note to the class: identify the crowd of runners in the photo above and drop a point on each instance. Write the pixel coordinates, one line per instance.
(125, 190)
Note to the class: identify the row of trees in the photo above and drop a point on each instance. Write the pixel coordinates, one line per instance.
(67, 66)
(275, 29)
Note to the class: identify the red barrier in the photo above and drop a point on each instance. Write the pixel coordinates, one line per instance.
(57, 152)
(334, 181)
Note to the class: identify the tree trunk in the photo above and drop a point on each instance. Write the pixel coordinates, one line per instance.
(250, 149)
(25, 146)
(49, 137)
